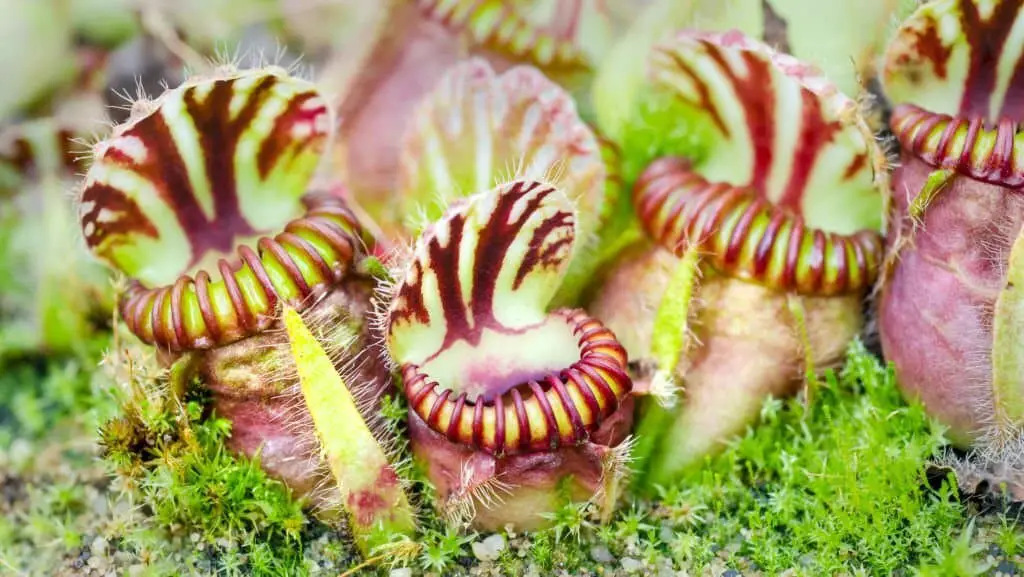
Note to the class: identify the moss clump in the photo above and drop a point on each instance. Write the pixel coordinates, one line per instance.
(834, 487)
(172, 454)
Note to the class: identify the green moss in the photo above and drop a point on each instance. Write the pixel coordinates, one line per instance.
(838, 487)
(663, 125)
(37, 392)
(835, 487)
(175, 458)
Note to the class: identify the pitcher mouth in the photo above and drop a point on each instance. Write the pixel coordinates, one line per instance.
(762, 167)
(485, 364)
(986, 151)
(560, 408)
(313, 253)
(748, 237)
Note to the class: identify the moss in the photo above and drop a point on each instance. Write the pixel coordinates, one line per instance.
(174, 458)
(663, 125)
(37, 390)
(838, 487)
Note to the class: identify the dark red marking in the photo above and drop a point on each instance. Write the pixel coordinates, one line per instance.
(930, 46)
(490, 253)
(815, 134)
(444, 262)
(758, 99)
(22, 159)
(69, 155)
(130, 218)
(705, 101)
(541, 254)
(219, 135)
(366, 505)
(855, 166)
(274, 146)
(493, 245)
(987, 39)
(165, 168)
(410, 297)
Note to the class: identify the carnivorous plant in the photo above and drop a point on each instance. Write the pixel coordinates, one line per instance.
(759, 188)
(949, 312)
(206, 201)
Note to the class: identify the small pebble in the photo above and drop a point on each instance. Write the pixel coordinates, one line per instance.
(732, 573)
(631, 565)
(98, 547)
(403, 572)
(490, 548)
(1006, 567)
(601, 554)
(136, 570)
